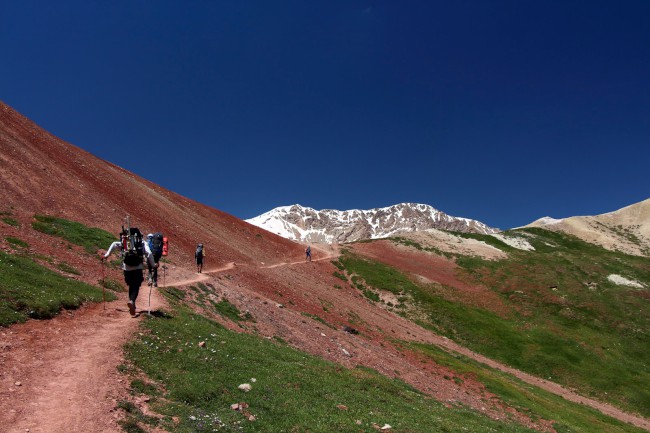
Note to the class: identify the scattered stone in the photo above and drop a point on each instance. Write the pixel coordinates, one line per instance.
(342, 407)
(358, 422)
(239, 407)
(386, 427)
(253, 380)
(18, 383)
(251, 418)
(346, 353)
(279, 305)
(245, 387)
(350, 330)
(202, 344)
(323, 335)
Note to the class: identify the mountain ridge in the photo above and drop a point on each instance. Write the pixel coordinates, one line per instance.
(305, 224)
(626, 229)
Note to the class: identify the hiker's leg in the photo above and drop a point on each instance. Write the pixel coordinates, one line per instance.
(156, 259)
(133, 279)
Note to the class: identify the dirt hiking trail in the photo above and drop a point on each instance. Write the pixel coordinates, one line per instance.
(62, 374)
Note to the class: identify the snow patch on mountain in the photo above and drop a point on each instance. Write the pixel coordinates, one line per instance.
(305, 224)
(622, 281)
(545, 221)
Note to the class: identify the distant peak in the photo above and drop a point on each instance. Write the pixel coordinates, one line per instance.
(305, 224)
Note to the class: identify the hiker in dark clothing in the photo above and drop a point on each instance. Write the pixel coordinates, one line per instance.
(156, 252)
(199, 255)
(308, 254)
(133, 273)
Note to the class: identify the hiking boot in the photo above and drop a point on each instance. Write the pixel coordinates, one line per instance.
(131, 306)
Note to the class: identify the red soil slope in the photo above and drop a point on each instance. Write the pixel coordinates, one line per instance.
(40, 173)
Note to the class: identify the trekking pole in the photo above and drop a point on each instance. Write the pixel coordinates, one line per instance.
(150, 286)
(103, 284)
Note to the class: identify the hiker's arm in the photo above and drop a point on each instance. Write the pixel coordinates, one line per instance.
(111, 248)
(150, 259)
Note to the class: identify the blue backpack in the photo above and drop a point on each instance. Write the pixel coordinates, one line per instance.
(156, 244)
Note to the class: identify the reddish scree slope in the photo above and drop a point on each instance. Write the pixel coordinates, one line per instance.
(254, 269)
(41, 173)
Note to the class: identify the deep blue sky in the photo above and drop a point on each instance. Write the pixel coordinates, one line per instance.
(502, 111)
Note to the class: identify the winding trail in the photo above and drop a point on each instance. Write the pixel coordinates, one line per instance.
(299, 262)
(62, 374)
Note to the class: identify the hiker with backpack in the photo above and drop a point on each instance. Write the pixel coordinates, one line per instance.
(132, 252)
(308, 253)
(155, 245)
(199, 255)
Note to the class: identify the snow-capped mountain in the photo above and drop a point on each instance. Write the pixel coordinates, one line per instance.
(305, 224)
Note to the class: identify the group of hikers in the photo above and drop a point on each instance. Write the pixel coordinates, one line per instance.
(135, 252)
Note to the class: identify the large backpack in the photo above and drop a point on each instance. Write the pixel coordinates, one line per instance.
(199, 251)
(134, 251)
(156, 244)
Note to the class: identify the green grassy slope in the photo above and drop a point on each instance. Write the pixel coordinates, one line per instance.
(569, 322)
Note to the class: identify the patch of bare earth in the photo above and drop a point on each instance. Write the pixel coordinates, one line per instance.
(450, 243)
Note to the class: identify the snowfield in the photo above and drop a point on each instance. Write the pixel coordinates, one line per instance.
(515, 242)
(622, 281)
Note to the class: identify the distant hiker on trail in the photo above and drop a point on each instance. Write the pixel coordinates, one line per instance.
(199, 255)
(132, 252)
(155, 245)
(308, 254)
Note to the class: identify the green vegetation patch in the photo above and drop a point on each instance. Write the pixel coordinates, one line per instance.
(90, 238)
(111, 284)
(227, 309)
(574, 325)
(566, 321)
(134, 417)
(11, 221)
(378, 275)
(201, 365)
(29, 290)
(537, 403)
(63, 266)
(17, 243)
(172, 293)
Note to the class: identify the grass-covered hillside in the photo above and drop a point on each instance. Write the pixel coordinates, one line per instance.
(37, 282)
(574, 313)
(197, 375)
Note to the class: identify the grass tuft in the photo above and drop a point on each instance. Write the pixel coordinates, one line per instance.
(91, 239)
